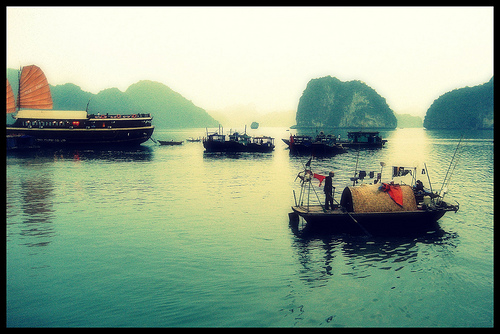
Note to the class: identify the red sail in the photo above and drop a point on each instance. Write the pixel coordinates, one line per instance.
(34, 90)
(11, 104)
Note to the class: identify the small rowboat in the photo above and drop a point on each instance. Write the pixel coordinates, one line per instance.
(170, 142)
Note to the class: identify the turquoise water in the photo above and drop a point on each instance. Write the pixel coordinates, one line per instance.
(174, 237)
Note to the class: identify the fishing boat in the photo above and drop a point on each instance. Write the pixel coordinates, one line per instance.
(237, 142)
(170, 142)
(378, 207)
(320, 145)
(35, 119)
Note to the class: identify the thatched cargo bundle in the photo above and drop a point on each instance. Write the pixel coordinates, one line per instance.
(369, 198)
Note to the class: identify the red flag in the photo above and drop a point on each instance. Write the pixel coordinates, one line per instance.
(320, 178)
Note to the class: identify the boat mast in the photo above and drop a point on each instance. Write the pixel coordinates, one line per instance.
(428, 177)
(87, 109)
(18, 102)
(444, 186)
(453, 158)
(355, 170)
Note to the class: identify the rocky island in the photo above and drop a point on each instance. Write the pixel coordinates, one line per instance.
(463, 108)
(329, 102)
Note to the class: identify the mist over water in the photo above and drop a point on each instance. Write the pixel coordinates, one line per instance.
(175, 237)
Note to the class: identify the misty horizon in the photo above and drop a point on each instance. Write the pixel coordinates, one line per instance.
(222, 58)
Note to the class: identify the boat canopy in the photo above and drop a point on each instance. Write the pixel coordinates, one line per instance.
(51, 114)
(371, 198)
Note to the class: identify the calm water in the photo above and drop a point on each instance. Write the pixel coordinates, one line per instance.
(171, 236)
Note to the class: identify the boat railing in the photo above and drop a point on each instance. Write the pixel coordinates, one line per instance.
(119, 116)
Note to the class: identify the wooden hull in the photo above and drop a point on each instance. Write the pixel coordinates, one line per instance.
(374, 222)
(363, 145)
(229, 146)
(166, 142)
(351, 144)
(92, 136)
(316, 149)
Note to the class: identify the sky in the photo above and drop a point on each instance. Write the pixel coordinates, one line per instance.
(258, 58)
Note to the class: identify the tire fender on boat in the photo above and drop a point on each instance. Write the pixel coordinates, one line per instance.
(118, 116)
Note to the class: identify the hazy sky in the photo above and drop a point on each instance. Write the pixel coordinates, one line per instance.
(260, 58)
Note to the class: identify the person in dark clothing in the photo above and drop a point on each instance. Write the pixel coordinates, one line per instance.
(328, 190)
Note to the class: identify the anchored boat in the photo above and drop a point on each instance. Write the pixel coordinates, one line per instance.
(320, 145)
(35, 119)
(170, 142)
(237, 142)
(371, 208)
(324, 144)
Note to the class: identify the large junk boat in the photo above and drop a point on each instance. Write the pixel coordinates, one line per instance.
(237, 142)
(378, 208)
(37, 124)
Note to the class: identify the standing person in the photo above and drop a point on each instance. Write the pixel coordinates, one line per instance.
(328, 190)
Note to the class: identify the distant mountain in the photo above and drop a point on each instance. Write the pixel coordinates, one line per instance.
(169, 109)
(114, 101)
(69, 97)
(12, 76)
(329, 102)
(408, 121)
(463, 108)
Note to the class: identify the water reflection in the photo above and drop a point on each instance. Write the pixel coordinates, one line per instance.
(237, 155)
(37, 228)
(323, 256)
(314, 271)
(456, 134)
(139, 153)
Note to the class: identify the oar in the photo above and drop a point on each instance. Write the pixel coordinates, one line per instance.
(354, 220)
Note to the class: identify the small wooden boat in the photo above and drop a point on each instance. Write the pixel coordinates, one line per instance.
(169, 142)
(371, 208)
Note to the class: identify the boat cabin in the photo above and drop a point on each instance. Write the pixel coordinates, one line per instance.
(263, 140)
(370, 137)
